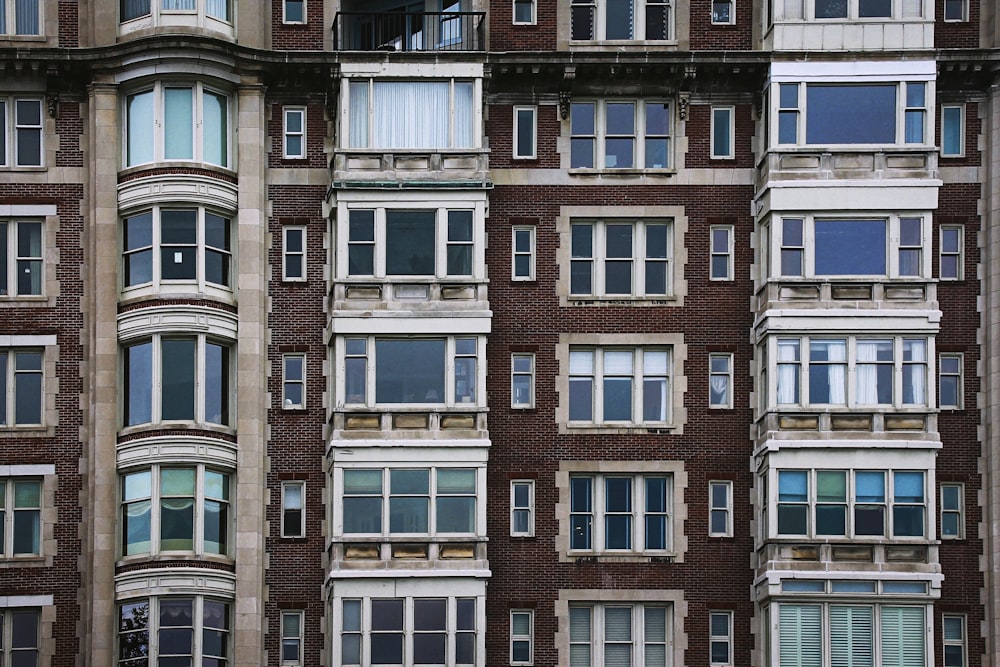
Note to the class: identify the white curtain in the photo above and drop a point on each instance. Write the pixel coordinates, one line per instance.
(463, 115)
(218, 9)
(178, 123)
(178, 4)
(837, 352)
(788, 373)
(720, 389)
(358, 114)
(867, 372)
(915, 372)
(130, 9)
(411, 114)
(26, 17)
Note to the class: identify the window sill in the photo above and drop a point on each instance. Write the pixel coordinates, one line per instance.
(27, 429)
(154, 430)
(623, 300)
(620, 429)
(27, 560)
(23, 169)
(606, 557)
(172, 556)
(293, 410)
(22, 38)
(636, 44)
(611, 171)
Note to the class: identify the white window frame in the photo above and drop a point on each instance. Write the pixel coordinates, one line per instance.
(10, 510)
(161, 16)
(7, 649)
(598, 258)
(807, 251)
(12, 129)
(152, 629)
(157, 128)
(731, 16)
(725, 508)
(716, 374)
(294, 639)
(730, 127)
(958, 511)
(960, 108)
(596, 640)
(528, 638)
(519, 233)
(288, 134)
(725, 253)
(8, 418)
(155, 501)
(948, 640)
(286, 508)
(598, 21)
(964, 12)
(528, 508)
(957, 376)
(10, 22)
(958, 253)
(597, 388)
(534, 12)
(284, 12)
(286, 254)
(720, 638)
(516, 401)
(286, 402)
(16, 263)
(523, 115)
(638, 513)
(600, 136)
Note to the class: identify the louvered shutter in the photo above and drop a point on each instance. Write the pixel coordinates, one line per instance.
(800, 636)
(903, 637)
(851, 636)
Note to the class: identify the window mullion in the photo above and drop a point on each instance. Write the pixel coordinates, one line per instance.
(380, 236)
(199, 511)
(370, 360)
(598, 407)
(638, 515)
(638, 361)
(440, 243)
(598, 512)
(639, 255)
(449, 370)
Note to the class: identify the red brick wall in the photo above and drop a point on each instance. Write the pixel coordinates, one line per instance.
(504, 36)
(306, 36)
(699, 135)
(316, 127)
(705, 36)
(956, 34)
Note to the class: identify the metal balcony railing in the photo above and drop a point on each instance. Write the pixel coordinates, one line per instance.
(409, 31)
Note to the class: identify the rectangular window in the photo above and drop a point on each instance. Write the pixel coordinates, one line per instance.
(295, 11)
(952, 511)
(620, 134)
(619, 634)
(953, 130)
(21, 371)
(292, 637)
(525, 132)
(522, 380)
(723, 12)
(619, 385)
(721, 252)
(295, 132)
(28, 130)
(720, 625)
(20, 636)
(953, 633)
(950, 244)
(293, 256)
(408, 631)
(439, 114)
(293, 388)
(524, 12)
(522, 508)
(950, 388)
(20, 517)
(20, 17)
(184, 631)
(523, 253)
(851, 503)
(720, 508)
(621, 258)
(956, 10)
(522, 633)
(606, 20)
(21, 257)
(720, 381)
(620, 513)
(293, 509)
(896, 112)
(723, 131)
(404, 501)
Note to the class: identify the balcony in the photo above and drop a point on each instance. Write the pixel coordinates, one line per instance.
(409, 31)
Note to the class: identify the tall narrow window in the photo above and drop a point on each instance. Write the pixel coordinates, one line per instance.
(720, 501)
(293, 509)
(525, 132)
(291, 638)
(720, 625)
(952, 511)
(953, 130)
(20, 636)
(792, 247)
(788, 113)
(722, 132)
(720, 381)
(293, 392)
(295, 133)
(21, 258)
(20, 517)
(916, 112)
(522, 380)
(950, 252)
(523, 253)
(28, 132)
(460, 245)
(910, 246)
(950, 381)
(522, 508)
(953, 633)
(522, 636)
(721, 253)
(294, 253)
(22, 376)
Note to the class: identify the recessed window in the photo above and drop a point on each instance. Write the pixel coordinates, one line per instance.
(293, 388)
(720, 625)
(840, 9)
(21, 125)
(621, 258)
(886, 371)
(522, 380)
(439, 114)
(723, 132)
(177, 122)
(217, 9)
(20, 517)
(523, 253)
(950, 257)
(397, 371)
(524, 12)
(20, 636)
(950, 381)
(721, 252)
(953, 130)
(21, 258)
(525, 132)
(166, 246)
(650, 20)
(184, 508)
(619, 385)
(895, 112)
(293, 255)
(20, 17)
(620, 134)
(891, 247)
(292, 635)
(408, 631)
(956, 10)
(175, 630)
(851, 503)
(177, 378)
(522, 632)
(953, 633)
(626, 513)
(21, 371)
(295, 11)
(620, 634)
(293, 509)
(522, 508)
(720, 381)
(720, 508)
(295, 133)
(952, 511)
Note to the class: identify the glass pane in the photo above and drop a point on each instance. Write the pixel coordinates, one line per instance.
(869, 520)
(215, 130)
(618, 19)
(850, 247)
(409, 370)
(429, 614)
(617, 399)
(792, 519)
(907, 521)
(721, 120)
(178, 124)
(908, 487)
(409, 243)
(833, 110)
(456, 515)
(951, 130)
(429, 649)
(387, 649)
(831, 486)
(582, 118)
(140, 128)
(352, 615)
(408, 515)
(387, 615)
(869, 486)
(950, 498)
(793, 486)
(138, 383)
(581, 403)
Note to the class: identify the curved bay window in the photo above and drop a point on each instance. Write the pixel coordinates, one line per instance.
(179, 121)
(172, 631)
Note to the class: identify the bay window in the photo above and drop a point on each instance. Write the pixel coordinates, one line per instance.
(620, 134)
(171, 121)
(606, 20)
(412, 114)
(177, 378)
(619, 385)
(377, 370)
(621, 258)
(220, 10)
(170, 631)
(620, 513)
(183, 508)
